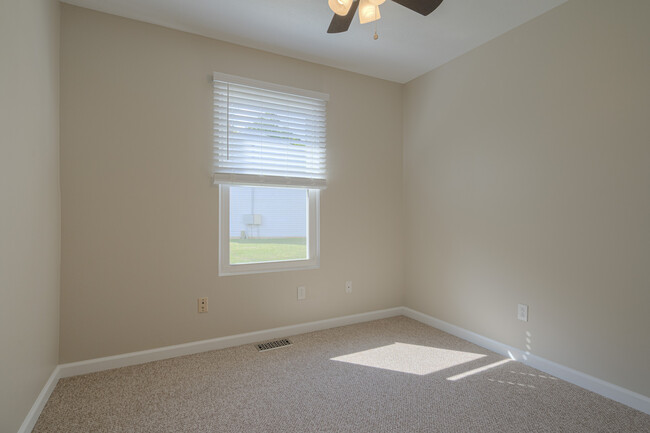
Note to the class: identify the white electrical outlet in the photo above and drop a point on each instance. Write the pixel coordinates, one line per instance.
(302, 293)
(522, 312)
(203, 305)
(348, 287)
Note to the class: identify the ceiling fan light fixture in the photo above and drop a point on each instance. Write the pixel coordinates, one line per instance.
(376, 2)
(340, 7)
(368, 12)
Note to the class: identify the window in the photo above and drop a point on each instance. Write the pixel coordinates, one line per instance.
(270, 165)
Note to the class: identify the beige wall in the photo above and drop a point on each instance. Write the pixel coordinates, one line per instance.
(139, 221)
(527, 180)
(29, 203)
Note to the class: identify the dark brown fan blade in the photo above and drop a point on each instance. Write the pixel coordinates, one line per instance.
(341, 24)
(423, 7)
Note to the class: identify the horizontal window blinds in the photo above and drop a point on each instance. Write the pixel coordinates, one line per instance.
(263, 136)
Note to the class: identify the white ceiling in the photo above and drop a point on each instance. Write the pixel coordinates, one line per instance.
(408, 46)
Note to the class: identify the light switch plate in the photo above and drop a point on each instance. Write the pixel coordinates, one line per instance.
(302, 293)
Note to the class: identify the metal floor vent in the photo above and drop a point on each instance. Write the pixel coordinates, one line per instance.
(276, 344)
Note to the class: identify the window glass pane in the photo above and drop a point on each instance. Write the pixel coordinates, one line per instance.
(268, 224)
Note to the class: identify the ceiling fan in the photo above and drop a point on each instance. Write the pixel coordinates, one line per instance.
(344, 11)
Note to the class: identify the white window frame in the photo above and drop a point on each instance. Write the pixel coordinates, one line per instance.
(313, 240)
(310, 177)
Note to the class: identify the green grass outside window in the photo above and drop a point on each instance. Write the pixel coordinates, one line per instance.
(267, 250)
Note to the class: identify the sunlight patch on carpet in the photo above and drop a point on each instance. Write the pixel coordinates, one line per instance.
(478, 370)
(409, 358)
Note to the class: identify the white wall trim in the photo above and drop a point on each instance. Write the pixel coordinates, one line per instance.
(33, 414)
(133, 358)
(606, 389)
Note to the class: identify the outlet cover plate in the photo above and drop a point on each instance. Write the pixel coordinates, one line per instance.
(203, 305)
(522, 312)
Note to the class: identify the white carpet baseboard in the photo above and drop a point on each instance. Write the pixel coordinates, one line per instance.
(33, 414)
(622, 395)
(134, 358)
(126, 359)
(606, 389)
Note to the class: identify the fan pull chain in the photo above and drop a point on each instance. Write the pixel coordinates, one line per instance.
(376, 36)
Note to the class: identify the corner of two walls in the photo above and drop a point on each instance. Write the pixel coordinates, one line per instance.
(30, 224)
(526, 181)
(524, 168)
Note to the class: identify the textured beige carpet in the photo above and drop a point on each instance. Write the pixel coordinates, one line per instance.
(392, 375)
